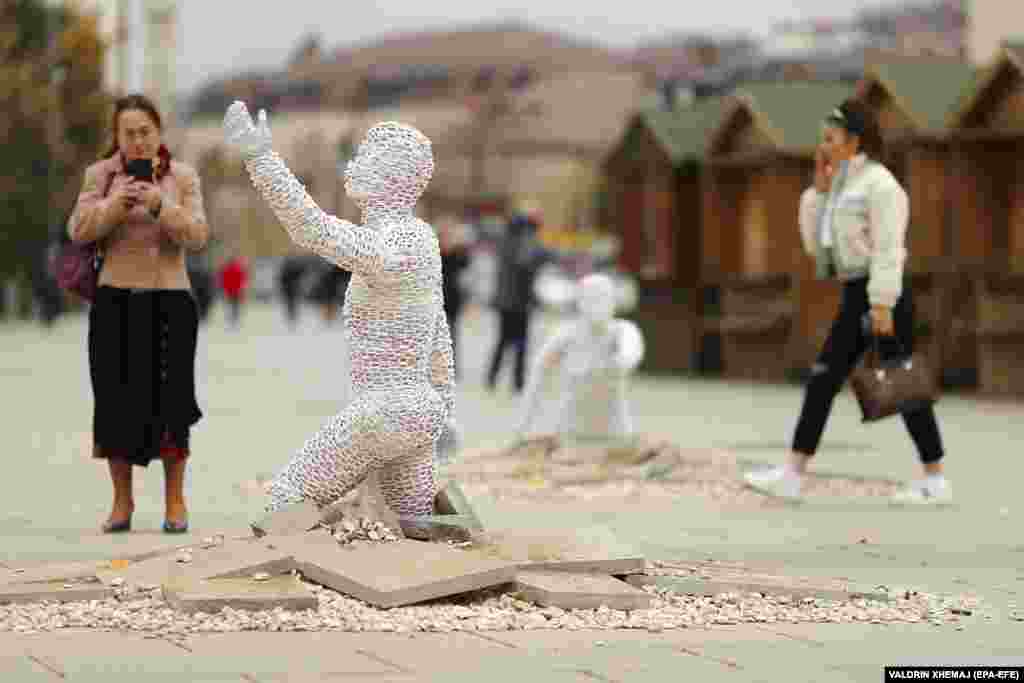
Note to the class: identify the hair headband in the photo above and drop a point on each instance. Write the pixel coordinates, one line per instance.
(850, 121)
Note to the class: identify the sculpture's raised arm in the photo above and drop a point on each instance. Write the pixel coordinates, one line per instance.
(352, 247)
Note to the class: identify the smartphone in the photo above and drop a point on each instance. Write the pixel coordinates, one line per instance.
(140, 169)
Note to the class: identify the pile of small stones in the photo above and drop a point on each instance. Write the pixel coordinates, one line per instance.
(713, 474)
(147, 612)
(361, 529)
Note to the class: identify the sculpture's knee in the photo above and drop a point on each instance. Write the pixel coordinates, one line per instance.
(412, 421)
(409, 484)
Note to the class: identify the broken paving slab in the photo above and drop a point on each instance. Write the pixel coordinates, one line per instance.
(404, 572)
(777, 586)
(613, 566)
(89, 569)
(296, 518)
(51, 572)
(233, 559)
(580, 591)
(53, 592)
(285, 592)
(563, 551)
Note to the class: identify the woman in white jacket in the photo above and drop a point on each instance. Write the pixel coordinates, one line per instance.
(853, 221)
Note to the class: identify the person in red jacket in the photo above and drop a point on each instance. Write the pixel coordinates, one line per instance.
(234, 280)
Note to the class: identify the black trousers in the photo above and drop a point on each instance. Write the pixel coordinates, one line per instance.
(847, 341)
(514, 329)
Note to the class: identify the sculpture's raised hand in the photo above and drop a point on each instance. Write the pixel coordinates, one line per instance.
(241, 133)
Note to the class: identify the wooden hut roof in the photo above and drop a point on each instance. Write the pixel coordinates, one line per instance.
(1010, 59)
(788, 113)
(925, 90)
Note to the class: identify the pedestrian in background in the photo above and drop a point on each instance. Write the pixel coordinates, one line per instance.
(203, 288)
(145, 210)
(520, 256)
(289, 282)
(853, 221)
(234, 281)
(330, 291)
(455, 260)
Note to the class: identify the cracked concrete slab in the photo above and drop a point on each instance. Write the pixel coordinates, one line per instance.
(233, 559)
(286, 592)
(59, 592)
(296, 518)
(566, 550)
(50, 572)
(400, 573)
(580, 591)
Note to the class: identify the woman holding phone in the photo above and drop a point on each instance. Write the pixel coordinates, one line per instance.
(145, 211)
(853, 222)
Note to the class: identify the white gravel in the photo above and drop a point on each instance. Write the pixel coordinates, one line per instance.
(147, 612)
(348, 530)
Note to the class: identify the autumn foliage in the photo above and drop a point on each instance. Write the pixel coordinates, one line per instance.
(53, 120)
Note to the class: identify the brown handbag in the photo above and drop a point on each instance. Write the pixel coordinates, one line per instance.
(888, 387)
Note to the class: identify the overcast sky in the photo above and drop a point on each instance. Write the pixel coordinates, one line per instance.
(221, 36)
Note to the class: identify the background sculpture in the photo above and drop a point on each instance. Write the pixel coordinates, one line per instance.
(592, 356)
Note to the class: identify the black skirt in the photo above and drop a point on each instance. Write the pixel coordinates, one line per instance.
(142, 350)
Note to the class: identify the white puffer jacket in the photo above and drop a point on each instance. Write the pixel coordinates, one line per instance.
(869, 226)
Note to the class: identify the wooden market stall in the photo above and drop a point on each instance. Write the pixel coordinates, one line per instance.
(771, 312)
(988, 219)
(654, 207)
(913, 98)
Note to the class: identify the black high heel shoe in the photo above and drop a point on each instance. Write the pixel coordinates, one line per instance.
(116, 527)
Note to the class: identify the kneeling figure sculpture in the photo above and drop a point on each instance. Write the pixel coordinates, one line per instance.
(395, 328)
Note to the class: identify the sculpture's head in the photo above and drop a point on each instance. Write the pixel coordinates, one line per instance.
(391, 169)
(596, 298)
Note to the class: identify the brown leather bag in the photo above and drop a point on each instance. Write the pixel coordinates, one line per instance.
(888, 387)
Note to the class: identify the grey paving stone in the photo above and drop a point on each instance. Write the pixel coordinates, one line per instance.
(400, 573)
(612, 566)
(50, 572)
(558, 551)
(580, 591)
(39, 592)
(234, 559)
(287, 592)
(296, 518)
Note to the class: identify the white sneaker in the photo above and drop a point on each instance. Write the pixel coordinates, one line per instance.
(925, 492)
(780, 482)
